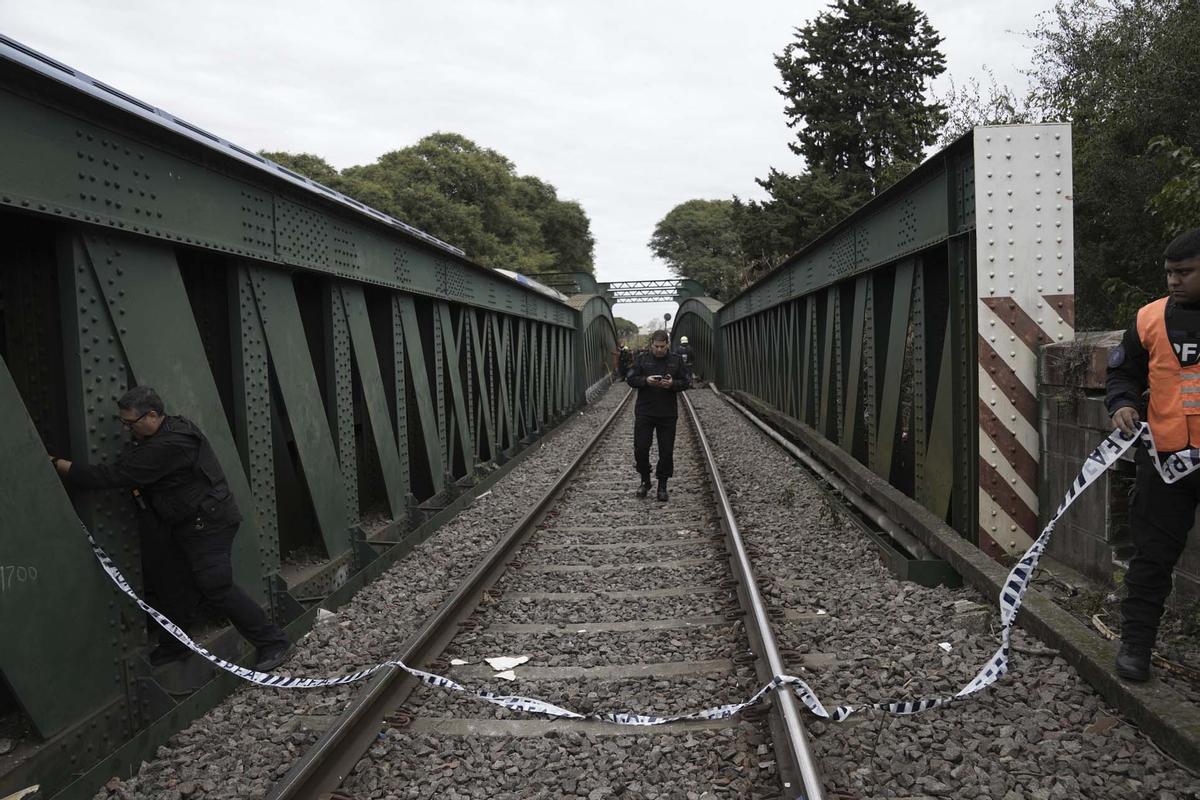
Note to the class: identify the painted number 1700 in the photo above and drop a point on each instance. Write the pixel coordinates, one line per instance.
(11, 575)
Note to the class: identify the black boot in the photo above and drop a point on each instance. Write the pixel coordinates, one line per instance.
(662, 489)
(1133, 662)
(268, 658)
(644, 489)
(166, 653)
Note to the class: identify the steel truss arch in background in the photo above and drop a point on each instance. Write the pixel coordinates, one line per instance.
(597, 352)
(697, 320)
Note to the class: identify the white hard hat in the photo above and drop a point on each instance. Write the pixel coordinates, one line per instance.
(683, 340)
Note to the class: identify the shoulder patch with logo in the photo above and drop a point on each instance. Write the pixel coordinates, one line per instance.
(1116, 357)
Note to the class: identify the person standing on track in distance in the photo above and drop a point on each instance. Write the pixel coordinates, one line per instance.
(1159, 352)
(658, 375)
(178, 482)
(684, 351)
(624, 361)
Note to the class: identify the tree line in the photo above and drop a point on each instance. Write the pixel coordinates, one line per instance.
(469, 196)
(856, 79)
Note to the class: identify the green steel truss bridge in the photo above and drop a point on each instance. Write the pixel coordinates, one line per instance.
(357, 376)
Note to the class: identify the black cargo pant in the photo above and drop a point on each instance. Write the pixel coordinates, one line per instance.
(193, 566)
(1159, 521)
(662, 429)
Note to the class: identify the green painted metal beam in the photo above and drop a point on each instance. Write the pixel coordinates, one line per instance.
(854, 373)
(296, 377)
(889, 402)
(422, 391)
(59, 161)
(456, 388)
(45, 558)
(379, 417)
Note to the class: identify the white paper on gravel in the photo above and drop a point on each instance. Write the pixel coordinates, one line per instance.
(505, 663)
(1172, 468)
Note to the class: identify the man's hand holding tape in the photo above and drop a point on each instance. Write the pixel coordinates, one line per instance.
(1127, 420)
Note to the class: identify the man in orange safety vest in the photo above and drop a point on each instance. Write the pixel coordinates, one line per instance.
(1160, 353)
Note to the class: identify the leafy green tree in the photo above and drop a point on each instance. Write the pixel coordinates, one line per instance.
(697, 240)
(1177, 203)
(308, 165)
(801, 208)
(470, 196)
(971, 103)
(855, 79)
(1124, 72)
(626, 329)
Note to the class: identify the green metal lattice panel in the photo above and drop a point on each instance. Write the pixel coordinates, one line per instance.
(339, 375)
(44, 560)
(379, 418)
(292, 366)
(59, 163)
(252, 415)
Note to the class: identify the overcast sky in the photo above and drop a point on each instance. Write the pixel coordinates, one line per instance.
(627, 107)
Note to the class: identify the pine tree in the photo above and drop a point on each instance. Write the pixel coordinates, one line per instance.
(855, 79)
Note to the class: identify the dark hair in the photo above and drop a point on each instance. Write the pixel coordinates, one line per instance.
(1184, 246)
(141, 400)
(660, 336)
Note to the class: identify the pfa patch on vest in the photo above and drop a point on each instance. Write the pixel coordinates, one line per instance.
(1188, 352)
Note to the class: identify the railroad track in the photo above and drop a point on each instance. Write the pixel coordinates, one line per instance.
(621, 605)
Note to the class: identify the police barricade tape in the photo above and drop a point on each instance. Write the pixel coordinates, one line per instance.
(1172, 469)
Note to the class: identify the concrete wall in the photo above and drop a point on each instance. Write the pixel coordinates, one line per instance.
(1073, 419)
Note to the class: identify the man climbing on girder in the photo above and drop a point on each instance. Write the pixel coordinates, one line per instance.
(658, 375)
(1159, 352)
(188, 517)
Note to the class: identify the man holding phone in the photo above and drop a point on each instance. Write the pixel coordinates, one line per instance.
(657, 375)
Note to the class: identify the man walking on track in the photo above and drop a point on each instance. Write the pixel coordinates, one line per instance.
(658, 375)
(1159, 352)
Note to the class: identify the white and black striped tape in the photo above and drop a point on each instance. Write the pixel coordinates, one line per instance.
(1110, 450)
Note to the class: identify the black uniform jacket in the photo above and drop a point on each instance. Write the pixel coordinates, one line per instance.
(653, 401)
(175, 469)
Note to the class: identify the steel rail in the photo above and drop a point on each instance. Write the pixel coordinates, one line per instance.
(868, 509)
(326, 764)
(797, 764)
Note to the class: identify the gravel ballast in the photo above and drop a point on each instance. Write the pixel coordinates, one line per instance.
(1041, 732)
(853, 631)
(252, 738)
(657, 661)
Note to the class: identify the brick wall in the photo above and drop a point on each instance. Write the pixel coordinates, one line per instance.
(1073, 419)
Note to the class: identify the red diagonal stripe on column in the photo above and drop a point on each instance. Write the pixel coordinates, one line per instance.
(1007, 498)
(1008, 446)
(1006, 379)
(1020, 322)
(1064, 304)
